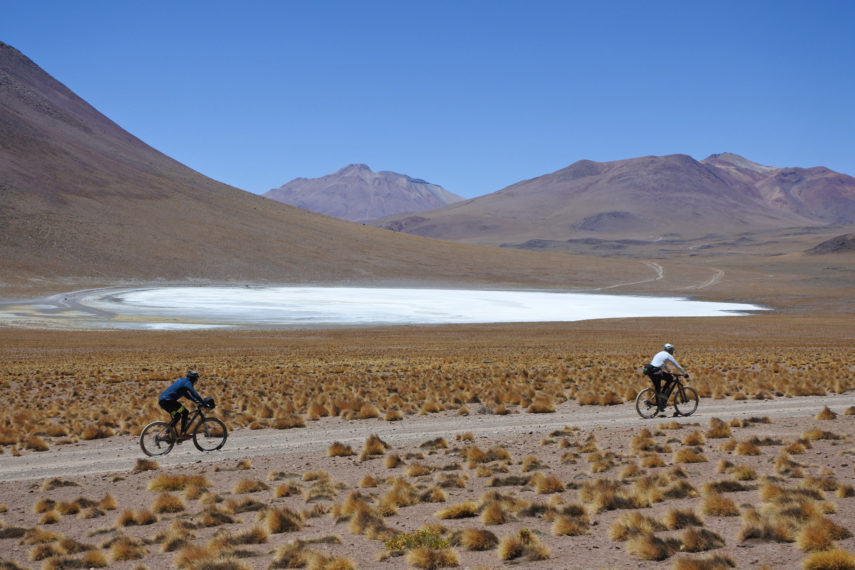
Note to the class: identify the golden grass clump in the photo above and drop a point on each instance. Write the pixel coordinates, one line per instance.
(374, 446)
(700, 540)
(167, 482)
(474, 539)
(747, 448)
(718, 429)
(525, 545)
(826, 414)
(836, 559)
(126, 548)
(694, 438)
(338, 449)
(676, 519)
(688, 455)
(648, 546)
(168, 503)
(244, 486)
(289, 421)
(458, 511)
(145, 465)
(429, 558)
(494, 513)
(564, 525)
(546, 484)
(632, 524)
(718, 505)
(282, 519)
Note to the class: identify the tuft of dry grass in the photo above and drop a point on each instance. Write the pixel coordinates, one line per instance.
(282, 519)
(676, 519)
(168, 503)
(430, 558)
(338, 449)
(524, 545)
(826, 414)
(374, 446)
(145, 465)
(688, 455)
(718, 505)
(459, 511)
(836, 559)
(168, 482)
(648, 546)
(633, 524)
(244, 486)
(475, 539)
(701, 540)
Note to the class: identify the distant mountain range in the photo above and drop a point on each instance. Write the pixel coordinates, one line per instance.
(357, 194)
(643, 198)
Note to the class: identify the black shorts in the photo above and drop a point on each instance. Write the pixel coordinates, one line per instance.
(172, 407)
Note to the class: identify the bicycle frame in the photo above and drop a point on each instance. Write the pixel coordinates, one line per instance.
(193, 417)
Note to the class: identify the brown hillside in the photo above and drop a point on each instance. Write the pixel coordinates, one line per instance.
(356, 193)
(643, 199)
(82, 202)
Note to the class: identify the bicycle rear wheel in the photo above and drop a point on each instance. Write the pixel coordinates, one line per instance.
(645, 403)
(157, 438)
(210, 434)
(686, 401)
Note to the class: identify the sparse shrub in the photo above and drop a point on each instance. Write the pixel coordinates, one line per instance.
(718, 505)
(837, 559)
(826, 414)
(168, 503)
(648, 546)
(338, 449)
(458, 511)
(523, 545)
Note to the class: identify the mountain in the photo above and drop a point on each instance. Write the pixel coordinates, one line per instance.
(844, 243)
(84, 203)
(644, 199)
(357, 194)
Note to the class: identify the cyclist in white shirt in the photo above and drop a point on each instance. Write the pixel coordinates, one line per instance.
(661, 367)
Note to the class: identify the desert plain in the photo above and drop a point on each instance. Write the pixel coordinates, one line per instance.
(476, 446)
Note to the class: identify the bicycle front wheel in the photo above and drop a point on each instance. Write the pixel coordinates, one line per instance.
(157, 438)
(645, 403)
(210, 434)
(686, 401)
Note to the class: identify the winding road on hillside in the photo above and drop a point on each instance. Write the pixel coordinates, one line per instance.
(119, 454)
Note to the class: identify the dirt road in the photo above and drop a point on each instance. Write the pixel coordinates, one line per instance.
(120, 453)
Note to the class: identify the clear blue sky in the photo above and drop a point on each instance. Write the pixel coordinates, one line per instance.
(471, 95)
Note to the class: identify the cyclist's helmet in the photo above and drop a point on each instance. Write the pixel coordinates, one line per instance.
(669, 348)
(192, 375)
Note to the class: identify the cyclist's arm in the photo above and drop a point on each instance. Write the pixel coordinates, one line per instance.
(193, 395)
(673, 361)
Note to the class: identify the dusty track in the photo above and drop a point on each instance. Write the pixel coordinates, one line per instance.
(120, 453)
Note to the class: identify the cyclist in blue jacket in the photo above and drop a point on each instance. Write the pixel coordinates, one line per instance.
(181, 388)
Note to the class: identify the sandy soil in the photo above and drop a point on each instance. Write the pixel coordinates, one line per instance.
(92, 469)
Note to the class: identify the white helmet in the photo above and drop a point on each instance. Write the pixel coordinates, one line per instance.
(669, 348)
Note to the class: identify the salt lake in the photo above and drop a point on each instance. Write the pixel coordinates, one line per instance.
(327, 307)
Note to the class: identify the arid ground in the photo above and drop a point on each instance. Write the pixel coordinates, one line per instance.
(470, 446)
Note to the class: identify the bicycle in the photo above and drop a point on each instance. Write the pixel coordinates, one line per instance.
(208, 434)
(685, 400)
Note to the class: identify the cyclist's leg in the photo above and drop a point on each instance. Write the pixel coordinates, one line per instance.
(177, 411)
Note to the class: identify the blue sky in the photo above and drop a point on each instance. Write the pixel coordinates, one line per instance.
(471, 95)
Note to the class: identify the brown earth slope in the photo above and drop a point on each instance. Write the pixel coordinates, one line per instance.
(643, 199)
(83, 202)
